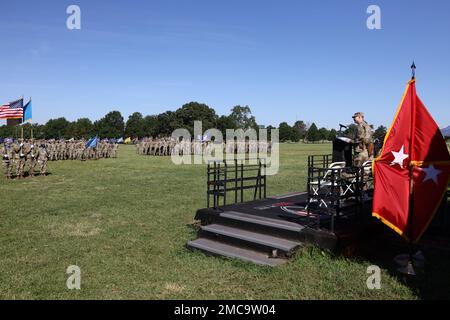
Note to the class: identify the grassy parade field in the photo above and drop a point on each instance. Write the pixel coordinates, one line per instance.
(125, 223)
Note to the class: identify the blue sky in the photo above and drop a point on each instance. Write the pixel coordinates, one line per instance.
(288, 60)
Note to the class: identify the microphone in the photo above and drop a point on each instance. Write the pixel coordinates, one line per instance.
(342, 126)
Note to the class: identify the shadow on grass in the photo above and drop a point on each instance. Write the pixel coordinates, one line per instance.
(379, 245)
(27, 175)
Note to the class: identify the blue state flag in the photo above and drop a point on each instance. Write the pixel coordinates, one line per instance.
(92, 143)
(27, 112)
(88, 142)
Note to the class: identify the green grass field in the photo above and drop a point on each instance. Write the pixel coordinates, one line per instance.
(125, 223)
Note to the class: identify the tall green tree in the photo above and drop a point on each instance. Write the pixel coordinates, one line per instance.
(56, 128)
(313, 133)
(332, 134)
(295, 136)
(135, 126)
(285, 132)
(7, 131)
(82, 128)
(323, 134)
(194, 111)
(150, 125)
(301, 128)
(224, 123)
(243, 118)
(110, 126)
(380, 133)
(167, 122)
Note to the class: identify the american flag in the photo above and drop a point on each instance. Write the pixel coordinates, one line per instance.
(12, 110)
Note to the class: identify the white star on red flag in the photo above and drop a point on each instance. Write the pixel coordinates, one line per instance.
(400, 156)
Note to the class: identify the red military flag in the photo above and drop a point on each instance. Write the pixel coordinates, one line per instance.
(412, 171)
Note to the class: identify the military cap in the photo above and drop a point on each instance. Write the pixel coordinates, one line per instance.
(357, 114)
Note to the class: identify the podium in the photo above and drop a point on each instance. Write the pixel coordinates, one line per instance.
(342, 151)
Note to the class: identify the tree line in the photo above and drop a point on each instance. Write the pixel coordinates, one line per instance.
(113, 125)
(301, 131)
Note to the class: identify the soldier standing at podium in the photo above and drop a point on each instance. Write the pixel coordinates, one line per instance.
(363, 140)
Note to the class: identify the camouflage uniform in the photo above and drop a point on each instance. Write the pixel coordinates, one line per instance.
(6, 153)
(70, 150)
(42, 157)
(32, 159)
(20, 151)
(110, 150)
(114, 150)
(363, 139)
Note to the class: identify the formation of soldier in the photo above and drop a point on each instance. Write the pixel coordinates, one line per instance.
(77, 150)
(169, 146)
(155, 147)
(29, 154)
(23, 153)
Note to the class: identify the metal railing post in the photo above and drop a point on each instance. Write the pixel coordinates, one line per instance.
(225, 183)
(235, 181)
(208, 187)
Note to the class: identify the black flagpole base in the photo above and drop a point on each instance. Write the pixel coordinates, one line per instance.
(408, 269)
(407, 262)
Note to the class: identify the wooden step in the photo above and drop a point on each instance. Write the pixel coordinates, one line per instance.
(252, 237)
(258, 220)
(227, 250)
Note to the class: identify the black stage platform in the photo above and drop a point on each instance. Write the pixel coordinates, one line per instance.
(269, 231)
(285, 216)
(334, 213)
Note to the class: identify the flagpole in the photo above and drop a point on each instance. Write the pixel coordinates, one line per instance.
(411, 154)
(21, 127)
(21, 124)
(31, 123)
(409, 266)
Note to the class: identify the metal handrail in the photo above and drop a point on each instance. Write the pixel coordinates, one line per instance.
(223, 177)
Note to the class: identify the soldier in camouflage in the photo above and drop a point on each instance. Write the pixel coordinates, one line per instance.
(32, 160)
(7, 159)
(362, 140)
(42, 157)
(20, 151)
